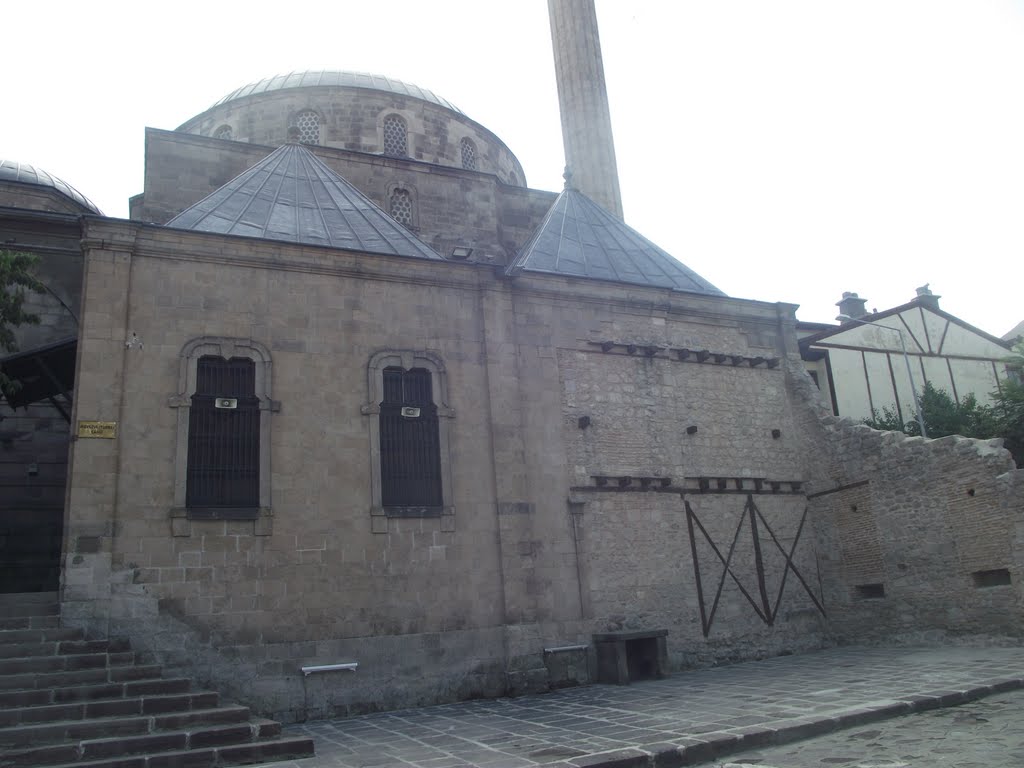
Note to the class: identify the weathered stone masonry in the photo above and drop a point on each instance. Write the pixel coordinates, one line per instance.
(611, 449)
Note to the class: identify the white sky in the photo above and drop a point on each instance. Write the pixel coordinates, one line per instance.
(785, 150)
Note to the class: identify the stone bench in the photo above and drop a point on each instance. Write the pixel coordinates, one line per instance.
(623, 657)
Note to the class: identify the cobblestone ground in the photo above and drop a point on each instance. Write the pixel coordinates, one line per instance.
(988, 733)
(731, 712)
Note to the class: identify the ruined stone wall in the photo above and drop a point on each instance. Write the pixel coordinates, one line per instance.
(920, 539)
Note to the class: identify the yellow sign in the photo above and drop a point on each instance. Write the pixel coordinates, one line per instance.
(107, 429)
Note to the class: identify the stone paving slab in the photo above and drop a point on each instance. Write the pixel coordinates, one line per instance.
(987, 733)
(688, 718)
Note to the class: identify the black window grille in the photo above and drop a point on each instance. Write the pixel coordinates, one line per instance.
(224, 437)
(410, 454)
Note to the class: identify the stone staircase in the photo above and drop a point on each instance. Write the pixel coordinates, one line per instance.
(67, 701)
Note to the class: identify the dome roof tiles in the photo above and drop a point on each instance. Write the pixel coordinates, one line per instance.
(22, 173)
(337, 78)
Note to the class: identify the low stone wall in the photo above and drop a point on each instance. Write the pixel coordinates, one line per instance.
(919, 540)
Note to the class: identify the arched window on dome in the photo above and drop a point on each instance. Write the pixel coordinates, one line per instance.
(400, 206)
(396, 136)
(308, 123)
(468, 154)
(224, 132)
(512, 178)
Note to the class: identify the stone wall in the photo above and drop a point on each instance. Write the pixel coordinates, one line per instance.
(619, 458)
(920, 539)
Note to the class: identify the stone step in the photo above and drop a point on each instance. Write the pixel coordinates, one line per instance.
(103, 727)
(31, 609)
(64, 679)
(65, 662)
(29, 604)
(22, 598)
(233, 743)
(68, 701)
(30, 622)
(94, 692)
(126, 707)
(59, 634)
(286, 748)
(66, 647)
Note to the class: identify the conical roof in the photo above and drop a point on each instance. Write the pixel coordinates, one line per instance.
(578, 238)
(291, 195)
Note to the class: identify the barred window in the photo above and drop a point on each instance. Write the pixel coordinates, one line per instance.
(224, 436)
(396, 136)
(222, 459)
(224, 132)
(308, 123)
(410, 463)
(401, 206)
(410, 428)
(468, 154)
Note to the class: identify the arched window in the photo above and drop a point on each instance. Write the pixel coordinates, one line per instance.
(222, 464)
(468, 154)
(224, 132)
(410, 463)
(224, 437)
(308, 123)
(401, 206)
(409, 437)
(396, 136)
(512, 178)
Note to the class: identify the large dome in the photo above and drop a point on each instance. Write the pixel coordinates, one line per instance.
(328, 77)
(358, 112)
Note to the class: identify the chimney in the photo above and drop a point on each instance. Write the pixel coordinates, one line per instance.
(852, 305)
(926, 298)
(583, 102)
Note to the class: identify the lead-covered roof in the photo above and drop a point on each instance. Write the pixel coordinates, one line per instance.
(578, 238)
(292, 195)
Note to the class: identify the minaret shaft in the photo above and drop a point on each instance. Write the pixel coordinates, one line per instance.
(583, 100)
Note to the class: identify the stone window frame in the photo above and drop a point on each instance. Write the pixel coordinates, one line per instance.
(465, 142)
(220, 131)
(397, 184)
(293, 121)
(384, 116)
(188, 366)
(407, 359)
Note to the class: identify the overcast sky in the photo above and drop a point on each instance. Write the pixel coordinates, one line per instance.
(785, 150)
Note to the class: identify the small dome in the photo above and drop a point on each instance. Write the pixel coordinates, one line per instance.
(333, 77)
(21, 173)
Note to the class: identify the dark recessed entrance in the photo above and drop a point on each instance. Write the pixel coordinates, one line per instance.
(34, 434)
(624, 657)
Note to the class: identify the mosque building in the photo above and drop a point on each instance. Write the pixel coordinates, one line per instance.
(348, 417)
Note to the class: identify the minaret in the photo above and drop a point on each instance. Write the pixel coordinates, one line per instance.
(583, 100)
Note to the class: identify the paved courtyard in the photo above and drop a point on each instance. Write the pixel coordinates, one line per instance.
(688, 718)
(987, 733)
